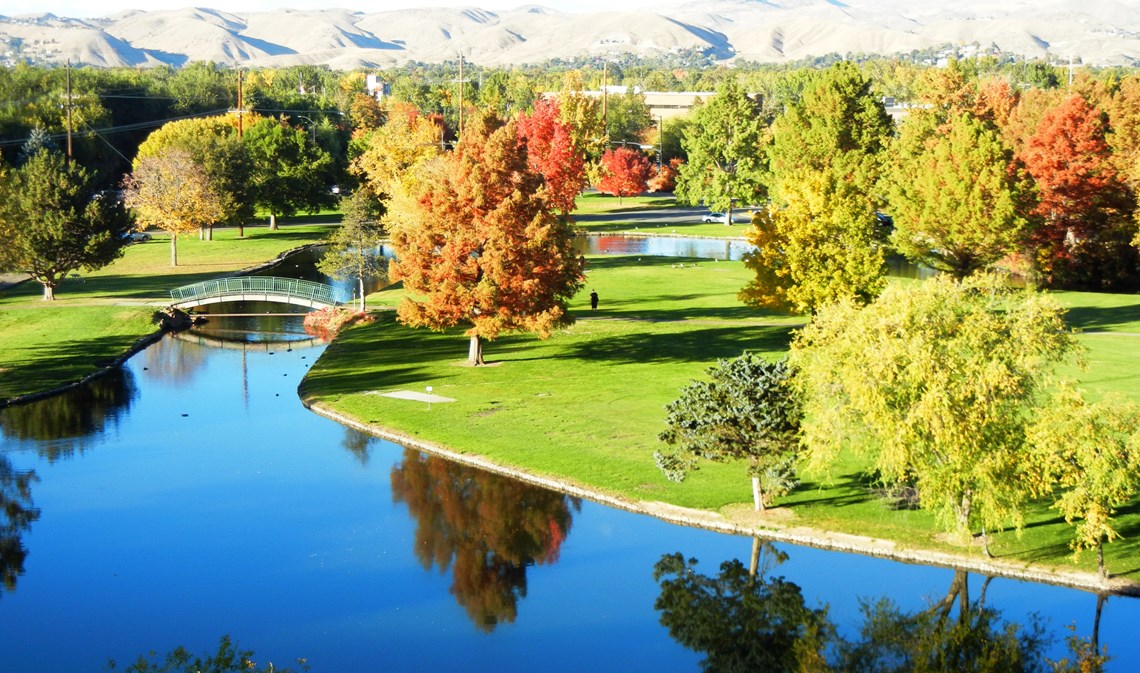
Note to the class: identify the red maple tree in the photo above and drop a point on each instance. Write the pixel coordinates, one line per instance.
(1079, 191)
(626, 172)
(477, 244)
(551, 151)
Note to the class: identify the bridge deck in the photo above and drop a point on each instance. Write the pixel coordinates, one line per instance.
(257, 288)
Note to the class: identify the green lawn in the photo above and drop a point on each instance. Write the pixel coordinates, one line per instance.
(592, 205)
(587, 404)
(97, 316)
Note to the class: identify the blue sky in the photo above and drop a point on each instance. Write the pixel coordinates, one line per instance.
(86, 8)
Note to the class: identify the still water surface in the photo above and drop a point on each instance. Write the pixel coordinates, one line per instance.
(190, 495)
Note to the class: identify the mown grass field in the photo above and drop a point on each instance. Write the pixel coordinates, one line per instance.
(587, 404)
(99, 315)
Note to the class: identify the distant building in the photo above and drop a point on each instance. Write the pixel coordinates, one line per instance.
(377, 88)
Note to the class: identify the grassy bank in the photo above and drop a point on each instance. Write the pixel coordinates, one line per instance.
(642, 215)
(586, 405)
(99, 315)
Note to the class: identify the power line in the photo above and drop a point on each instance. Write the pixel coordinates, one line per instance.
(121, 128)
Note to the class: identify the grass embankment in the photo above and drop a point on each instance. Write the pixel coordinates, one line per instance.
(98, 316)
(586, 405)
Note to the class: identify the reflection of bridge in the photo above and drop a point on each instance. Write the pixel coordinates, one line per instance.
(257, 288)
(268, 345)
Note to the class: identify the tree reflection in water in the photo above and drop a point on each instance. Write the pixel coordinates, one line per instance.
(745, 621)
(16, 517)
(64, 424)
(487, 529)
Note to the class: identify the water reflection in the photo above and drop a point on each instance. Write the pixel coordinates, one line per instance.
(742, 619)
(485, 528)
(64, 424)
(668, 246)
(745, 619)
(16, 517)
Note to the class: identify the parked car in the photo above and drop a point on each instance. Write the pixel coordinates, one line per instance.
(738, 216)
(136, 236)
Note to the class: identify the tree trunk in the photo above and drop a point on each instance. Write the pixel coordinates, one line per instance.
(360, 282)
(1100, 559)
(475, 351)
(728, 217)
(241, 229)
(173, 249)
(754, 561)
(962, 514)
(757, 495)
(49, 289)
(272, 221)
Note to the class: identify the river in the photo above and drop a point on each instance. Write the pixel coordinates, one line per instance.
(189, 495)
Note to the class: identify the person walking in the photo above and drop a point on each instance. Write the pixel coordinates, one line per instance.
(593, 300)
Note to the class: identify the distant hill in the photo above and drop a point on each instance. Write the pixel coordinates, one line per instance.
(1098, 32)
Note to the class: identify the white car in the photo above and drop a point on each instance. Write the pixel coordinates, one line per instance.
(739, 216)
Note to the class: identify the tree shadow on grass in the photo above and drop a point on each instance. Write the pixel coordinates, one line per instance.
(361, 362)
(52, 365)
(844, 490)
(688, 346)
(1095, 318)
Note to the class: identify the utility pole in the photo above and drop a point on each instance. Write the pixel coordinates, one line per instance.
(69, 110)
(460, 94)
(239, 106)
(605, 90)
(660, 143)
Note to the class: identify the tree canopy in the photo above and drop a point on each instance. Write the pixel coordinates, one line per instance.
(747, 410)
(726, 162)
(957, 198)
(290, 173)
(625, 172)
(52, 222)
(173, 192)
(551, 151)
(934, 384)
(477, 244)
(820, 240)
(1085, 208)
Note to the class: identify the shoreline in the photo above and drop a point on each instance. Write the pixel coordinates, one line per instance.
(754, 524)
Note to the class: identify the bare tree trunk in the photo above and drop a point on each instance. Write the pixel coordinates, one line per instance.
(475, 351)
(360, 282)
(757, 495)
(272, 221)
(1100, 559)
(173, 249)
(49, 289)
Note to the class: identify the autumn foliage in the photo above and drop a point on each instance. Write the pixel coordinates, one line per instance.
(485, 528)
(477, 243)
(1080, 194)
(552, 152)
(665, 178)
(625, 172)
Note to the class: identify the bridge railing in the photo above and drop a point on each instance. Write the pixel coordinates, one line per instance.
(271, 285)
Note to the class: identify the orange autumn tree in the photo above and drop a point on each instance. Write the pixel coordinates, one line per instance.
(1083, 204)
(626, 172)
(551, 151)
(477, 243)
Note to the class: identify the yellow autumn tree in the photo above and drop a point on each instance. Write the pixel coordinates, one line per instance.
(174, 193)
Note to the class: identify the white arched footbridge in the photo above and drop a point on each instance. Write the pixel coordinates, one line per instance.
(257, 288)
